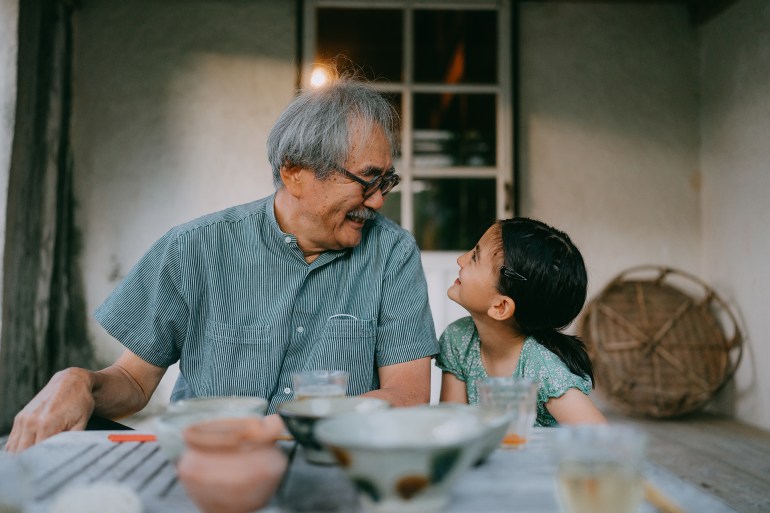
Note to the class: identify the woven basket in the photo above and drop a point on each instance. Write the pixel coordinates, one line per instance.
(661, 341)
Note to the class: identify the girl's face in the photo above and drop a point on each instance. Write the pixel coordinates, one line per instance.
(476, 286)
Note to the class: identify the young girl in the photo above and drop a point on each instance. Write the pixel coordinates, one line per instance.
(522, 283)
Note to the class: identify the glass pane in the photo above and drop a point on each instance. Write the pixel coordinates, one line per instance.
(455, 46)
(452, 213)
(454, 130)
(395, 100)
(361, 41)
(392, 206)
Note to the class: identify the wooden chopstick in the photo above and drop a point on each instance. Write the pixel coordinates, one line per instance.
(657, 499)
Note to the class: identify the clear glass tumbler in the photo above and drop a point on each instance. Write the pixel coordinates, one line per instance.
(320, 383)
(600, 468)
(518, 398)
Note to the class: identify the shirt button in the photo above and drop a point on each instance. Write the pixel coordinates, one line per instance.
(287, 239)
(300, 329)
(287, 390)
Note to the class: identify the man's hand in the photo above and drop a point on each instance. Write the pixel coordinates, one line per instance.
(64, 404)
(73, 395)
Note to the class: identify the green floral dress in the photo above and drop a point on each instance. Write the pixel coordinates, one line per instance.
(461, 355)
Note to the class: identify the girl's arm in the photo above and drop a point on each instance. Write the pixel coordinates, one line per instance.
(574, 407)
(452, 389)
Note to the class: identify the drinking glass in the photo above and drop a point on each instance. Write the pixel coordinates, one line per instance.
(518, 398)
(319, 383)
(600, 468)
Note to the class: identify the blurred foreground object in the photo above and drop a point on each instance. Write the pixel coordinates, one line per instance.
(662, 342)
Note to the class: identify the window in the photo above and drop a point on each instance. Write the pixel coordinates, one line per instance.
(446, 67)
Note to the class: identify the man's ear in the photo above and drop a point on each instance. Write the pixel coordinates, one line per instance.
(292, 177)
(502, 308)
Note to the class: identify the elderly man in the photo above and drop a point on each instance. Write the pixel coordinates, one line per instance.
(308, 278)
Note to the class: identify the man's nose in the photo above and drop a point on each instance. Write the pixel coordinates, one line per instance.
(375, 201)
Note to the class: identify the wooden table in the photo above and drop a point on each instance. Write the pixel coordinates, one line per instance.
(520, 481)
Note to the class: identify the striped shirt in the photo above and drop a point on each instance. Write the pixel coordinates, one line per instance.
(231, 297)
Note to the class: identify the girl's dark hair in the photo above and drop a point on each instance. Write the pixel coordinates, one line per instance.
(544, 273)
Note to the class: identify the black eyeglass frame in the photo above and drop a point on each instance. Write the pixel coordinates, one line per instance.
(384, 182)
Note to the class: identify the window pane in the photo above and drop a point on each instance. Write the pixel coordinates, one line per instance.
(454, 130)
(395, 100)
(451, 213)
(455, 46)
(367, 41)
(392, 206)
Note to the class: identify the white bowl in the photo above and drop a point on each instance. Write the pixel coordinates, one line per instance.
(494, 420)
(404, 459)
(300, 417)
(179, 415)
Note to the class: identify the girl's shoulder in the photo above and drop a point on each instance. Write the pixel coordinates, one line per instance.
(459, 336)
(463, 327)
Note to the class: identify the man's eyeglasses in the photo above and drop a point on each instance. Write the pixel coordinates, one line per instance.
(384, 182)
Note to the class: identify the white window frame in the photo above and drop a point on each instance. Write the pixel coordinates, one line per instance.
(502, 172)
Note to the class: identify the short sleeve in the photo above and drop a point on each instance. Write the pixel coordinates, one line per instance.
(453, 348)
(552, 373)
(147, 312)
(405, 328)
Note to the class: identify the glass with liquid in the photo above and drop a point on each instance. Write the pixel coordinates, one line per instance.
(320, 383)
(518, 398)
(600, 468)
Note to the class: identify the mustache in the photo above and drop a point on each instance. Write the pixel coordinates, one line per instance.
(362, 214)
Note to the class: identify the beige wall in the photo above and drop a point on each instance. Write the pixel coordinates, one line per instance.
(646, 139)
(735, 208)
(173, 103)
(609, 132)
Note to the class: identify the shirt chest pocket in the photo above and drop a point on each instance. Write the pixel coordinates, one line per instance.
(348, 344)
(240, 359)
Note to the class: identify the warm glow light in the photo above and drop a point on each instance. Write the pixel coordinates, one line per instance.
(319, 77)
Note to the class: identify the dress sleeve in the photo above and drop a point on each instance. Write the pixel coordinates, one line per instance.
(405, 328)
(147, 312)
(553, 374)
(452, 345)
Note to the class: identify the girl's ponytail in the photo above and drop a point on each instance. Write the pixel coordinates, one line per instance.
(570, 349)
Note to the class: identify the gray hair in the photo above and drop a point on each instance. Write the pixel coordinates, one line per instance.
(315, 129)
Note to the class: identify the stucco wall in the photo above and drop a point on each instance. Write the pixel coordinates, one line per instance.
(735, 158)
(9, 45)
(173, 103)
(609, 132)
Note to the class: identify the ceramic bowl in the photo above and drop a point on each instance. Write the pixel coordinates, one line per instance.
(179, 415)
(300, 417)
(495, 424)
(404, 459)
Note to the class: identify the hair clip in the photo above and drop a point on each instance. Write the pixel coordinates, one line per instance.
(510, 273)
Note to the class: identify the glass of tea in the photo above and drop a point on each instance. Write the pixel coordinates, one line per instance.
(518, 398)
(600, 468)
(319, 383)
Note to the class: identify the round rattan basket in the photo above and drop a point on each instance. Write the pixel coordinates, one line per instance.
(662, 342)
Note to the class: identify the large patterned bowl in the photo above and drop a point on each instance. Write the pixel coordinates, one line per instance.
(404, 459)
(300, 417)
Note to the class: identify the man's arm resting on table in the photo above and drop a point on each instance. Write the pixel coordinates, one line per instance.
(404, 384)
(73, 395)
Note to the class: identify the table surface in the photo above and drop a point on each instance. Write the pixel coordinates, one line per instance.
(521, 481)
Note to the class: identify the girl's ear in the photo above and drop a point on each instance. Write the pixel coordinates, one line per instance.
(502, 308)
(292, 177)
